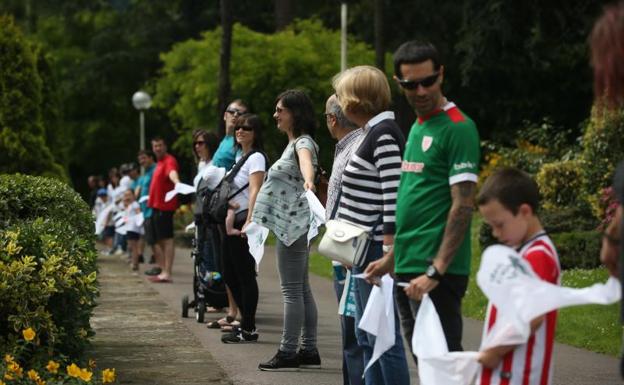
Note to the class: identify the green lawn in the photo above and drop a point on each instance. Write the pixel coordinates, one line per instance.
(593, 327)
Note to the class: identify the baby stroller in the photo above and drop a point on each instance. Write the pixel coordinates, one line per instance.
(208, 284)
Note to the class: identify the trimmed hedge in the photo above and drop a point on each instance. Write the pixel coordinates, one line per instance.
(576, 249)
(47, 264)
(579, 249)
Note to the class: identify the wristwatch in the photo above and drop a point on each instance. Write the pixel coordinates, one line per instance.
(433, 273)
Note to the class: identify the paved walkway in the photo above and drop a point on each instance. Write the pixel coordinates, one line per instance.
(141, 334)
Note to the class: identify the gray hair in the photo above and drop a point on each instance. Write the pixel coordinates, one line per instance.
(341, 119)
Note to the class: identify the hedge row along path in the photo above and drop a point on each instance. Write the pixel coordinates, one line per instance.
(140, 332)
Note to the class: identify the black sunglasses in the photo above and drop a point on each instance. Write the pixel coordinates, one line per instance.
(244, 128)
(234, 111)
(199, 142)
(413, 84)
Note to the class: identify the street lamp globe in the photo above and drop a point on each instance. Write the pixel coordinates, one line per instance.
(141, 100)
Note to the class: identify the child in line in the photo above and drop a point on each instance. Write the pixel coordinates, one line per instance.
(133, 230)
(509, 202)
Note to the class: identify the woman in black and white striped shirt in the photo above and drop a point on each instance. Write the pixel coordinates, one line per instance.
(369, 193)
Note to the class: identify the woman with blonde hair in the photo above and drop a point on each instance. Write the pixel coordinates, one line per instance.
(368, 198)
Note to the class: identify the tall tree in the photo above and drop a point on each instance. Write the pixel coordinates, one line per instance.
(380, 47)
(283, 13)
(225, 55)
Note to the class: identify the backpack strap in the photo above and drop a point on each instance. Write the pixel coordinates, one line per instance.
(239, 165)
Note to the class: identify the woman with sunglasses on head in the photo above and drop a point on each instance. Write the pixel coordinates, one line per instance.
(207, 178)
(369, 197)
(282, 209)
(239, 266)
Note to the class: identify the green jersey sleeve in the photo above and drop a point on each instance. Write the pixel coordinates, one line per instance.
(463, 152)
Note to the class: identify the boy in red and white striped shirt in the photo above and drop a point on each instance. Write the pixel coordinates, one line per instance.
(508, 201)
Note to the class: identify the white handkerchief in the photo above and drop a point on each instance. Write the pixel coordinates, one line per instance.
(378, 318)
(100, 221)
(180, 188)
(138, 219)
(190, 227)
(144, 198)
(509, 282)
(256, 236)
(436, 366)
(317, 214)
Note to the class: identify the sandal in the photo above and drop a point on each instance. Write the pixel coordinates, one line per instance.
(234, 326)
(225, 321)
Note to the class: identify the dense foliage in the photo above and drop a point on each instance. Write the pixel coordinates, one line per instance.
(305, 55)
(506, 62)
(47, 265)
(23, 146)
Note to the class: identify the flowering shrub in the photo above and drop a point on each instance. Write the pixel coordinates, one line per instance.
(560, 185)
(47, 372)
(603, 147)
(47, 266)
(608, 204)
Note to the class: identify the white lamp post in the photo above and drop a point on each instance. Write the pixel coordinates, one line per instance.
(142, 101)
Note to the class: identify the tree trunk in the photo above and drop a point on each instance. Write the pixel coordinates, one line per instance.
(224, 65)
(380, 49)
(283, 13)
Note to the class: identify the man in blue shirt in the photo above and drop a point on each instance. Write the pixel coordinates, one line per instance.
(225, 154)
(147, 160)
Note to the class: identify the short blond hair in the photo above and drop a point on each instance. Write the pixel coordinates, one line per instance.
(363, 90)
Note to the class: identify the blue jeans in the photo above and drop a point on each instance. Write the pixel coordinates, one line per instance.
(352, 353)
(391, 368)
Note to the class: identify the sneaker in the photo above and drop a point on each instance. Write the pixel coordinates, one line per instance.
(119, 252)
(309, 359)
(281, 362)
(240, 336)
(153, 271)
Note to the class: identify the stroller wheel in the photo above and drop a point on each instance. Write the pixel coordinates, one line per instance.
(201, 310)
(185, 306)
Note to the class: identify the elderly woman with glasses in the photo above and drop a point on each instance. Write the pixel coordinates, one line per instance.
(281, 208)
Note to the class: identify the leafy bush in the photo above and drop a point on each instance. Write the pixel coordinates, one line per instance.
(568, 219)
(603, 146)
(23, 145)
(580, 249)
(24, 197)
(47, 264)
(560, 184)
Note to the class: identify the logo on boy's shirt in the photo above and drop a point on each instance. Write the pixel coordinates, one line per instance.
(463, 165)
(426, 143)
(412, 166)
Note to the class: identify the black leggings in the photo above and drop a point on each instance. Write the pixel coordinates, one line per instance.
(239, 272)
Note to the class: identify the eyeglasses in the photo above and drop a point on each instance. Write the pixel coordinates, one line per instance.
(425, 82)
(244, 128)
(234, 111)
(200, 142)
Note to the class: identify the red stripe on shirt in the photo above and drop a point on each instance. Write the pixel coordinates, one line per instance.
(455, 115)
(528, 359)
(551, 323)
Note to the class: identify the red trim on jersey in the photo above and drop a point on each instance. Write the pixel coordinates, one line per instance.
(424, 118)
(455, 115)
(507, 362)
(486, 375)
(528, 358)
(551, 323)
